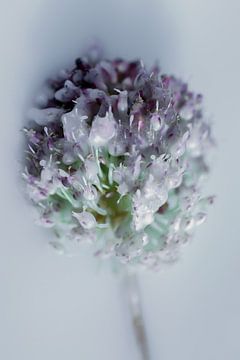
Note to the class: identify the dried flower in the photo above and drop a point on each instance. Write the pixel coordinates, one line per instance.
(116, 155)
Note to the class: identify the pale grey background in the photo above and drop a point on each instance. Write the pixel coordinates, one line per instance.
(62, 308)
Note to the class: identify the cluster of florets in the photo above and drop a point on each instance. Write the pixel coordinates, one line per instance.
(116, 156)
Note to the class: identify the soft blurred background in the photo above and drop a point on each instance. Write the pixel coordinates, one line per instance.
(54, 307)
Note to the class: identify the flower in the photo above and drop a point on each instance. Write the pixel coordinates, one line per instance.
(116, 156)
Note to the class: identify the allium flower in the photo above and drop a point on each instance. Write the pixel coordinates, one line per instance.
(116, 156)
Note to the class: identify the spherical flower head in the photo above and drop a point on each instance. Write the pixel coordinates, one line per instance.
(116, 157)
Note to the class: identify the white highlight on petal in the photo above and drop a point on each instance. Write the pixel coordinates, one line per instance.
(103, 129)
(86, 219)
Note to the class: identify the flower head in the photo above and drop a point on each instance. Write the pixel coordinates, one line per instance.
(115, 156)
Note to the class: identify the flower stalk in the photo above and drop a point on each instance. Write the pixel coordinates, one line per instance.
(136, 313)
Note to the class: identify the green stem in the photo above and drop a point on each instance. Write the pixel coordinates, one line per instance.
(135, 307)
